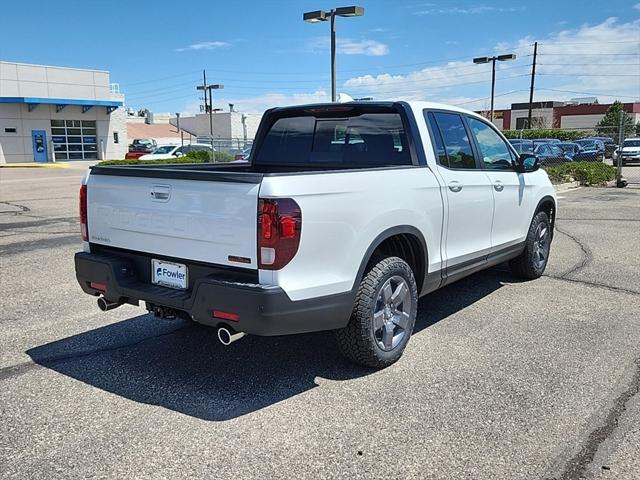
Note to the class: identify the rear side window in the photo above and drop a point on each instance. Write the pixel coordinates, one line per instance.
(456, 141)
(437, 139)
(364, 140)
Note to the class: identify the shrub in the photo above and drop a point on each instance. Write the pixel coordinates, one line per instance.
(587, 173)
(203, 155)
(200, 156)
(164, 161)
(562, 135)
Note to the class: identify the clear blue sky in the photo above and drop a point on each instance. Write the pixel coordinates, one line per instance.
(266, 55)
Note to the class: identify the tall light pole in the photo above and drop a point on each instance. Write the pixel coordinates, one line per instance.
(322, 16)
(499, 58)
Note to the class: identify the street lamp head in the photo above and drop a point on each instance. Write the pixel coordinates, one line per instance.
(216, 86)
(481, 60)
(508, 56)
(315, 16)
(352, 11)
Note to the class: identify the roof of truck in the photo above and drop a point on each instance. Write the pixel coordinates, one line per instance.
(415, 105)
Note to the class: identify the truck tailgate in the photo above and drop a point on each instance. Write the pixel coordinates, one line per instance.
(208, 221)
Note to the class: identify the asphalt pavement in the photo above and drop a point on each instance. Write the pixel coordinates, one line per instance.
(502, 379)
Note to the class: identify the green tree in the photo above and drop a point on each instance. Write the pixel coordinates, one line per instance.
(609, 126)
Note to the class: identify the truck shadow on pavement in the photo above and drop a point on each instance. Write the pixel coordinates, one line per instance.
(181, 366)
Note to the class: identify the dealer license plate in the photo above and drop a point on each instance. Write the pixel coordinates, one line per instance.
(168, 274)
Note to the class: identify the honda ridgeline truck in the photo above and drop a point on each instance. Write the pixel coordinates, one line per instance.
(346, 214)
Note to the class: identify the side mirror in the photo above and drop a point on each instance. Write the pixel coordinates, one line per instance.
(527, 162)
(178, 154)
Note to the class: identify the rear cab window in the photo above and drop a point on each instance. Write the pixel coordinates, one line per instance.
(336, 137)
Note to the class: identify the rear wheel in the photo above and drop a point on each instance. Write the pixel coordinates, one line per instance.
(383, 317)
(532, 262)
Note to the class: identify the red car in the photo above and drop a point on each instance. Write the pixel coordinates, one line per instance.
(132, 155)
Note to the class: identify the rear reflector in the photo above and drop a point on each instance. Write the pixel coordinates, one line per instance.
(98, 286)
(234, 317)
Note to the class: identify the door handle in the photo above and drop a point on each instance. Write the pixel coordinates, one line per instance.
(455, 186)
(498, 186)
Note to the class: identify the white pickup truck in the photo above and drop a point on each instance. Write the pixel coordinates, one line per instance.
(345, 216)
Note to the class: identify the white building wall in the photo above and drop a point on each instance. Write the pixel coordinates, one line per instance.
(24, 80)
(18, 147)
(546, 114)
(226, 125)
(580, 121)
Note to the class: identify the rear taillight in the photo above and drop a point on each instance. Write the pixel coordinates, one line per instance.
(84, 229)
(279, 228)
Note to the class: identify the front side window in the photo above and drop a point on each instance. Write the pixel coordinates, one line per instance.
(494, 152)
(456, 142)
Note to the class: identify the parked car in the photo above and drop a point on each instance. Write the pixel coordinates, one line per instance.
(570, 149)
(145, 145)
(243, 155)
(319, 234)
(550, 154)
(630, 151)
(522, 145)
(172, 151)
(592, 149)
(546, 140)
(609, 145)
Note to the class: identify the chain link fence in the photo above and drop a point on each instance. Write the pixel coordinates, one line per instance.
(617, 146)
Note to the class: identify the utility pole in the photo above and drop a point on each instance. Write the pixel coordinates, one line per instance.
(533, 79)
(621, 134)
(179, 129)
(204, 89)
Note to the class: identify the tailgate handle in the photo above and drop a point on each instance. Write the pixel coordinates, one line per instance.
(160, 193)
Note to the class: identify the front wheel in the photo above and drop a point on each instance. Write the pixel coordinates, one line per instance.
(383, 316)
(531, 263)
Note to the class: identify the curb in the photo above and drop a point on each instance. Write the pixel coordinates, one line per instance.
(34, 165)
(564, 187)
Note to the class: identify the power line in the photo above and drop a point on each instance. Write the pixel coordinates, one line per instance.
(573, 74)
(589, 43)
(591, 94)
(487, 98)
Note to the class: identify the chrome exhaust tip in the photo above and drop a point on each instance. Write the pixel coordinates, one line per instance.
(228, 336)
(104, 304)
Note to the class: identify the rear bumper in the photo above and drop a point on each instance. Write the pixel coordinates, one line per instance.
(261, 309)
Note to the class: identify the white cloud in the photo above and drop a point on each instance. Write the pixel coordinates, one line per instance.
(348, 46)
(636, 6)
(371, 48)
(204, 46)
(260, 103)
(577, 60)
(477, 10)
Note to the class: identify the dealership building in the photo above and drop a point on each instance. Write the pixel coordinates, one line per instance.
(52, 114)
(577, 114)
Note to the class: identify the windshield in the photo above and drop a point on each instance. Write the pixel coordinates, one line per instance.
(631, 143)
(163, 150)
(586, 144)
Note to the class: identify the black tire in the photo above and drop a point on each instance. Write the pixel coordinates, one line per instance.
(359, 341)
(529, 264)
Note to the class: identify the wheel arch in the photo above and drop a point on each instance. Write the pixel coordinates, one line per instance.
(547, 204)
(406, 242)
